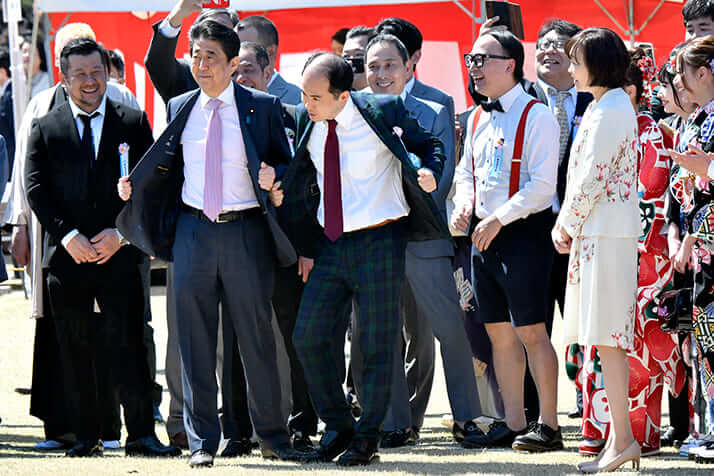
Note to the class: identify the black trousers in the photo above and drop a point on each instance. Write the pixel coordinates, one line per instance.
(102, 356)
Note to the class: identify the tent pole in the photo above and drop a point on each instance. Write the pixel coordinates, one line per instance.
(17, 71)
(33, 47)
(631, 24)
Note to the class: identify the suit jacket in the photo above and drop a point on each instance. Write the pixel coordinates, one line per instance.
(383, 113)
(287, 92)
(61, 189)
(433, 117)
(149, 218)
(171, 76)
(4, 173)
(581, 104)
(7, 123)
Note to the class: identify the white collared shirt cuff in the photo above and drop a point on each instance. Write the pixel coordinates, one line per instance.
(167, 30)
(68, 237)
(506, 214)
(120, 236)
(710, 170)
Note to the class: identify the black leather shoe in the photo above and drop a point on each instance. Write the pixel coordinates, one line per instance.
(540, 438)
(84, 448)
(201, 459)
(575, 413)
(498, 436)
(332, 444)
(399, 438)
(150, 446)
(302, 443)
(470, 433)
(671, 438)
(283, 452)
(360, 453)
(179, 440)
(235, 448)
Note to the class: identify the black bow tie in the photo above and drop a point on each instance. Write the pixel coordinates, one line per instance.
(492, 106)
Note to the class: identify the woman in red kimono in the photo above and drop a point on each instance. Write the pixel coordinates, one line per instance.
(656, 357)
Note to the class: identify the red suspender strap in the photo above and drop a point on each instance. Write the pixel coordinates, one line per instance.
(477, 116)
(518, 150)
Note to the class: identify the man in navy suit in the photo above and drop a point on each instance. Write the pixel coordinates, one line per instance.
(199, 200)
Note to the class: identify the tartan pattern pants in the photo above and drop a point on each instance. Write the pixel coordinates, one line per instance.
(366, 266)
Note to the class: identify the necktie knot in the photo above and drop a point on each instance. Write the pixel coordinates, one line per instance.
(331, 125)
(87, 118)
(214, 104)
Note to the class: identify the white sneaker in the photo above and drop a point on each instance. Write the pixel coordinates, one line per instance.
(111, 444)
(48, 445)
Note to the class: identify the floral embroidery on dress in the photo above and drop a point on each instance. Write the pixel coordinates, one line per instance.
(625, 340)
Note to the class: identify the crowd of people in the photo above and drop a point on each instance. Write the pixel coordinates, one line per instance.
(359, 205)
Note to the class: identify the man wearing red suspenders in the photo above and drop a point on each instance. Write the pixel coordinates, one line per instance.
(505, 185)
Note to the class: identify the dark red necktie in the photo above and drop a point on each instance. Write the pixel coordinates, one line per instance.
(332, 184)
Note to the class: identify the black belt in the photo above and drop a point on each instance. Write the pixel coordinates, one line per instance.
(225, 217)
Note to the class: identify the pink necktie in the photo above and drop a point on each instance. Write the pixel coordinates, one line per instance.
(213, 178)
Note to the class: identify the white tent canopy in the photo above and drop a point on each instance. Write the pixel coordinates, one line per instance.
(166, 5)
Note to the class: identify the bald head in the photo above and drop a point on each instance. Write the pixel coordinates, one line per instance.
(334, 68)
(326, 82)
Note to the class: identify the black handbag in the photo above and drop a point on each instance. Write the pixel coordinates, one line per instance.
(674, 310)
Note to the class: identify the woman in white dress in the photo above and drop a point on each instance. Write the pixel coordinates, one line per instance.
(599, 224)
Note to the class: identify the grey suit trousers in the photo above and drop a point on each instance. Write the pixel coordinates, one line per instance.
(231, 264)
(430, 308)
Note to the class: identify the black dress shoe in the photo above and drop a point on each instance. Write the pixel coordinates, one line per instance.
(360, 453)
(575, 413)
(179, 440)
(399, 438)
(283, 452)
(498, 436)
(470, 433)
(84, 448)
(671, 438)
(332, 444)
(150, 446)
(302, 443)
(201, 459)
(235, 448)
(540, 438)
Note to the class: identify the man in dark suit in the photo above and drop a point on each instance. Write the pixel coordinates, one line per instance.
(193, 210)
(261, 30)
(353, 199)
(171, 76)
(86, 259)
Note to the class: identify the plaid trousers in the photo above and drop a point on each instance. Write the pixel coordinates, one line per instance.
(366, 266)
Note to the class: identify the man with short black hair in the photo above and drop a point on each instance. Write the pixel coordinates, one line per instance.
(698, 17)
(353, 52)
(352, 199)
(116, 66)
(172, 76)
(260, 29)
(7, 120)
(218, 156)
(506, 180)
(85, 256)
(337, 42)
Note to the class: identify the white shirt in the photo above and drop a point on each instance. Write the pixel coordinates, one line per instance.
(539, 163)
(370, 175)
(167, 30)
(238, 192)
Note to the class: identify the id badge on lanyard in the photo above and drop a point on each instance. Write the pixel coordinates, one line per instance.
(497, 159)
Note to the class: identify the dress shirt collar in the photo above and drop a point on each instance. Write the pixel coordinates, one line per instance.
(548, 89)
(226, 97)
(76, 111)
(410, 85)
(347, 114)
(510, 97)
(272, 78)
(404, 94)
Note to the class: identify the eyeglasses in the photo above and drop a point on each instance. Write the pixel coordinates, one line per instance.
(477, 60)
(547, 44)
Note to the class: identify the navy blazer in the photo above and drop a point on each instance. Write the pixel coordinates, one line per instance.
(383, 113)
(148, 219)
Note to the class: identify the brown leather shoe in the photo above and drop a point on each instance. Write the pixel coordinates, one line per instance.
(179, 440)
